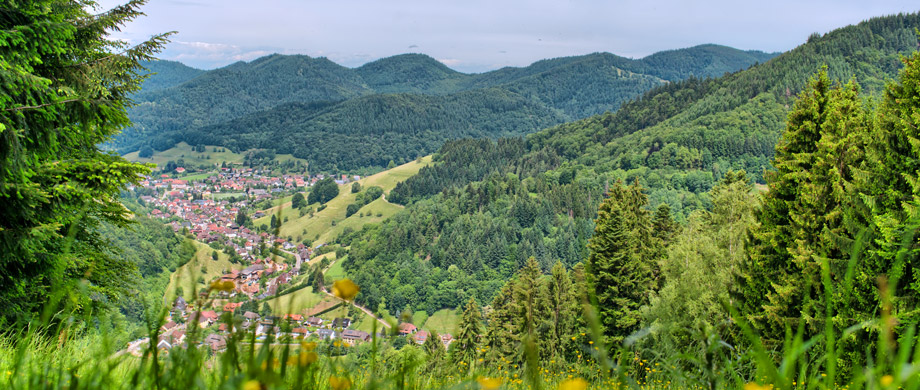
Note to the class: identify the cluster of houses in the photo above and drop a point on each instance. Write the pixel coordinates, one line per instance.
(249, 280)
(420, 336)
(193, 206)
(296, 327)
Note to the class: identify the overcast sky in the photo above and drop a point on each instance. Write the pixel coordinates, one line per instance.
(481, 35)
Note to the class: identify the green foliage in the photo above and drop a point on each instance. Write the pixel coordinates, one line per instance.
(323, 191)
(622, 263)
(467, 348)
(700, 272)
(397, 108)
(64, 91)
(298, 201)
(355, 187)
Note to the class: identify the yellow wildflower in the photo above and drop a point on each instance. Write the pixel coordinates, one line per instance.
(345, 289)
(755, 386)
(309, 346)
(307, 358)
(489, 383)
(573, 384)
(252, 385)
(339, 383)
(887, 380)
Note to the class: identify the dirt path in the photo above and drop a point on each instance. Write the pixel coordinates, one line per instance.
(362, 308)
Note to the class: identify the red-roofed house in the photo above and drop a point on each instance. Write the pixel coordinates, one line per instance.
(420, 336)
(407, 328)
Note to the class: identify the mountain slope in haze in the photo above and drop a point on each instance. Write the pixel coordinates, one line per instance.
(483, 208)
(567, 88)
(165, 74)
(374, 130)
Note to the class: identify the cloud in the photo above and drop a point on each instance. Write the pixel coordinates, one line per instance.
(450, 61)
(413, 46)
(210, 54)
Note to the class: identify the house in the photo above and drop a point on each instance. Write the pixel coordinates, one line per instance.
(300, 332)
(446, 339)
(250, 316)
(180, 305)
(231, 307)
(294, 317)
(420, 336)
(216, 342)
(315, 321)
(203, 319)
(341, 323)
(352, 337)
(265, 327)
(169, 326)
(406, 328)
(164, 345)
(326, 334)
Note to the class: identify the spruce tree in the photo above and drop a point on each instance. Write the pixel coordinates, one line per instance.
(65, 89)
(501, 338)
(467, 341)
(811, 214)
(561, 308)
(622, 265)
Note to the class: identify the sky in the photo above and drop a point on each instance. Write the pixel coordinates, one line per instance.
(482, 35)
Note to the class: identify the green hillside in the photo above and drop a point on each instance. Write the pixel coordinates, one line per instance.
(323, 226)
(484, 208)
(373, 130)
(310, 100)
(165, 74)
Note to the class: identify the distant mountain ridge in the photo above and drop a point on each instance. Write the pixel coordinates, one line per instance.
(210, 106)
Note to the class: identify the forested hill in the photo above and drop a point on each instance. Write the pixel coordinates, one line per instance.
(165, 74)
(483, 208)
(565, 89)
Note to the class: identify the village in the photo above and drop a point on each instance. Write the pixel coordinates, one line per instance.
(209, 210)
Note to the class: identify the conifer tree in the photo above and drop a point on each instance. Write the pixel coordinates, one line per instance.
(621, 264)
(812, 212)
(470, 329)
(561, 309)
(501, 338)
(433, 346)
(65, 89)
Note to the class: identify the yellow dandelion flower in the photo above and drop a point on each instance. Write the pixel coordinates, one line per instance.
(345, 289)
(309, 346)
(339, 383)
(252, 385)
(887, 380)
(307, 358)
(573, 384)
(756, 386)
(489, 383)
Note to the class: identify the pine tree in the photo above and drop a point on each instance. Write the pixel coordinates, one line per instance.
(812, 212)
(501, 340)
(470, 329)
(561, 309)
(65, 89)
(622, 265)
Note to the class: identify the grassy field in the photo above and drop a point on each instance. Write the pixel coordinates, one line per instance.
(443, 321)
(335, 271)
(192, 158)
(324, 226)
(317, 259)
(198, 176)
(224, 195)
(297, 301)
(188, 274)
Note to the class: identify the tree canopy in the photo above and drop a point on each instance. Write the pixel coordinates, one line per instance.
(65, 90)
